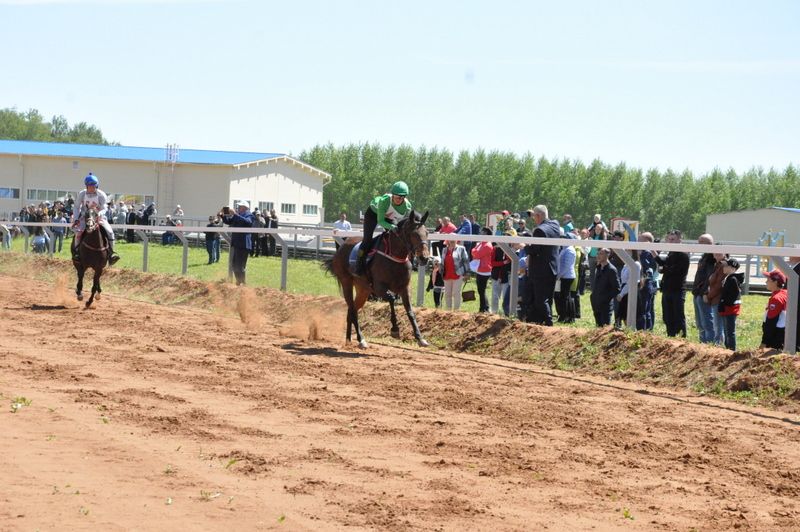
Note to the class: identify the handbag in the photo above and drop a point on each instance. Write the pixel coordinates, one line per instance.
(467, 295)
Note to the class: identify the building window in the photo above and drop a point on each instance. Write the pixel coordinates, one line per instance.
(287, 208)
(310, 209)
(9, 193)
(266, 206)
(36, 194)
(132, 199)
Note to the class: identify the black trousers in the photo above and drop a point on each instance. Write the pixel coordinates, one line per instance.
(370, 223)
(602, 312)
(481, 281)
(565, 305)
(239, 263)
(672, 309)
(541, 291)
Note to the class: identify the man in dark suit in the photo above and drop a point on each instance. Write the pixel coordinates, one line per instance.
(542, 268)
(241, 243)
(271, 222)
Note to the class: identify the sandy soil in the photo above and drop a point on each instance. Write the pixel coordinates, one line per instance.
(228, 417)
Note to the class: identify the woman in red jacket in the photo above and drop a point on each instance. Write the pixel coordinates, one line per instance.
(483, 252)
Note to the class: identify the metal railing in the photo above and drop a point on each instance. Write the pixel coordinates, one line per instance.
(621, 248)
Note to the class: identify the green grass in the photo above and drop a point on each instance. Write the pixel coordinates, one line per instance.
(307, 277)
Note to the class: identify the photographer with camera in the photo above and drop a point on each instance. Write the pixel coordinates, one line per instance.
(241, 243)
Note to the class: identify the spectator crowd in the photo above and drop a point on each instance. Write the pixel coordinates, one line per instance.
(551, 279)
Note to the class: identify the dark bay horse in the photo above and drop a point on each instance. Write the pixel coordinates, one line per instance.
(388, 274)
(93, 254)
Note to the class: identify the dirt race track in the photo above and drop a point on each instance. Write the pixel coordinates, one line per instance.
(146, 416)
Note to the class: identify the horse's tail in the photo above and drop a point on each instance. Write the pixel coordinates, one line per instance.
(329, 267)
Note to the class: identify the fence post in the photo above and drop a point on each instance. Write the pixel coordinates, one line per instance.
(747, 275)
(145, 245)
(319, 243)
(180, 235)
(790, 336)
(284, 258)
(633, 286)
(513, 279)
(5, 235)
(27, 235)
(421, 269)
(227, 238)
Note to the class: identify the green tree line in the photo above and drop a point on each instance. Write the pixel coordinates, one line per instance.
(449, 184)
(30, 125)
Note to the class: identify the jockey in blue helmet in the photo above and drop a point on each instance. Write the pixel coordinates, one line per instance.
(92, 198)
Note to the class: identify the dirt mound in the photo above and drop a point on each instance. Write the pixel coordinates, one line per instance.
(752, 377)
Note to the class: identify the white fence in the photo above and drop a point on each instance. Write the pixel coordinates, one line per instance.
(777, 255)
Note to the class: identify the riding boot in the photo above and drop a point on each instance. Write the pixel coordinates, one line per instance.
(112, 256)
(361, 264)
(76, 254)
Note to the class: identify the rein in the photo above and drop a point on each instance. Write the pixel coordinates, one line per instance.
(400, 259)
(103, 239)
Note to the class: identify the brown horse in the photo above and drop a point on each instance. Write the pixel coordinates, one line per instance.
(93, 254)
(388, 274)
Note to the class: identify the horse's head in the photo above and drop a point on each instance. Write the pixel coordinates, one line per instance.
(90, 219)
(413, 231)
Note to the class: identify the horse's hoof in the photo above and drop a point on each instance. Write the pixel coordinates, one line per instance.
(80, 297)
(423, 342)
(88, 304)
(363, 344)
(396, 333)
(97, 296)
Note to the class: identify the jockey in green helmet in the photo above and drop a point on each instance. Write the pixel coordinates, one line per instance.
(386, 210)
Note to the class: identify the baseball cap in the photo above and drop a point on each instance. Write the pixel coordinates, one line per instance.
(777, 276)
(243, 203)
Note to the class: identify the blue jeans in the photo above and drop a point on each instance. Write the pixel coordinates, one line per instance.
(719, 328)
(704, 318)
(729, 326)
(59, 242)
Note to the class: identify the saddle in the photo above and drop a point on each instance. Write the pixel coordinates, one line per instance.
(380, 245)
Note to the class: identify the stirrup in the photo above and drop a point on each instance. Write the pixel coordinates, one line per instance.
(112, 260)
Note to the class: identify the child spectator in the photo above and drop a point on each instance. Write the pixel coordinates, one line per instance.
(730, 300)
(436, 282)
(774, 326)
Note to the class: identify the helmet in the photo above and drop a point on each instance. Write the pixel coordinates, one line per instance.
(91, 180)
(400, 188)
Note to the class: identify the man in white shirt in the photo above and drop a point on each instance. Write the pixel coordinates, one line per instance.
(342, 224)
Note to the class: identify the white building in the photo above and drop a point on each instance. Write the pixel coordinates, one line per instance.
(200, 181)
(749, 226)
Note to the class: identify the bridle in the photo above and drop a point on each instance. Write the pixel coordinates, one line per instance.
(90, 226)
(419, 248)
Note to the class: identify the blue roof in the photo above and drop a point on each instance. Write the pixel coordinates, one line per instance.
(129, 153)
(790, 209)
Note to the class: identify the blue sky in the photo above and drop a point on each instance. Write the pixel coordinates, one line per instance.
(680, 84)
